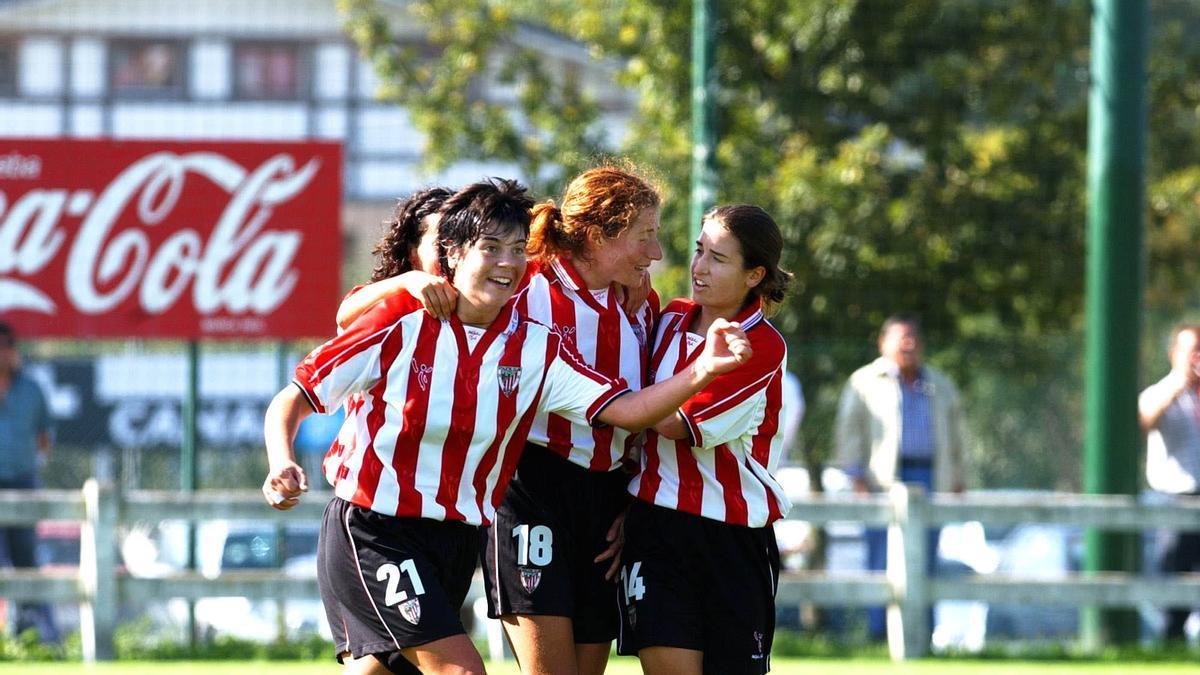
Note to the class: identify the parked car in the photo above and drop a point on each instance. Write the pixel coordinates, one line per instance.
(257, 547)
(1037, 551)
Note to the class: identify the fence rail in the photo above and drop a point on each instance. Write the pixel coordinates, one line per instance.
(905, 587)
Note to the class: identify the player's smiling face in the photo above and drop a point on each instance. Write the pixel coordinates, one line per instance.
(625, 258)
(486, 272)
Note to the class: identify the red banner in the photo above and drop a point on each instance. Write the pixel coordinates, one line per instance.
(169, 240)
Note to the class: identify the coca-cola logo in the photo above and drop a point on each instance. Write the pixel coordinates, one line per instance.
(236, 266)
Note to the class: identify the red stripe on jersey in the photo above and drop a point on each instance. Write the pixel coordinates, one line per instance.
(691, 482)
(507, 410)
(729, 478)
(707, 409)
(369, 472)
(761, 447)
(462, 425)
(608, 360)
(558, 429)
(650, 478)
(416, 408)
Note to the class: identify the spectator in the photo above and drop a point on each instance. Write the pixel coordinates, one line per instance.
(24, 447)
(1169, 412)
(899, 420)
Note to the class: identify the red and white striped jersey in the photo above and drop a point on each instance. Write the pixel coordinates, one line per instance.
(611, 341)
(724, 472)
(442, 424)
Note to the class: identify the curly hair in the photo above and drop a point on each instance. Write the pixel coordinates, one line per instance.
(599, 204)
(405, 228)
(762, 244)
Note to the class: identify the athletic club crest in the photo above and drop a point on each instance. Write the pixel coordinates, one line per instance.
(631, 613)
(530, 578)
(411, 610)
(510, 377)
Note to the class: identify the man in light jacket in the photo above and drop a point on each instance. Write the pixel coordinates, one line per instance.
(900, 420)
(1169, 413)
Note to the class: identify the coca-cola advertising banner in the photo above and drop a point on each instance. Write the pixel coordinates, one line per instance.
(169, 239)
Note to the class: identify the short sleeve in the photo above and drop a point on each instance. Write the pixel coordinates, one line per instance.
(574, 390)
(730, 404)
(351, 362)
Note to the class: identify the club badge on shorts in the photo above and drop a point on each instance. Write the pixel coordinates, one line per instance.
(530, 578)
(411, 610)
(510, 377)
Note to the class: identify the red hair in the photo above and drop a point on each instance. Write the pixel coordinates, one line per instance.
(599, 204)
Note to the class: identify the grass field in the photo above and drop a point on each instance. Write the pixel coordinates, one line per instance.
(627, 667)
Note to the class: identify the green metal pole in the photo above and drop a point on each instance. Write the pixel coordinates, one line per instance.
(1116, 199)
(704, 173)
(188, 464)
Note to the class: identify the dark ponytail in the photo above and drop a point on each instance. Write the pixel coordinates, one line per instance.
(762, 244)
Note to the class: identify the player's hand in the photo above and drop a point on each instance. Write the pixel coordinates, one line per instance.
(726, 347)
(436, 293)
(284, 485)
(631, 298)
(616, 541)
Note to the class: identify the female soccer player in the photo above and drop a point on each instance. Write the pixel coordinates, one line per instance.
(700, 563)
(569, 491)
(447, 405)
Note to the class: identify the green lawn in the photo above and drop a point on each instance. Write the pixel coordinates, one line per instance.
(625, 666)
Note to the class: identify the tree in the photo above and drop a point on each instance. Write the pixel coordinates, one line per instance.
(922, 156)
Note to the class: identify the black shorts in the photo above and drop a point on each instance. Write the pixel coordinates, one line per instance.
(537, 554)
(696, 583)
(391, 583)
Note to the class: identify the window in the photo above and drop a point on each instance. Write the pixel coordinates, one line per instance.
(147, 68)
(268, 71)
(8, 68)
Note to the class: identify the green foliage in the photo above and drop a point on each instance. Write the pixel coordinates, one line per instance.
(28, 647)
(140, 641)
(925, 156)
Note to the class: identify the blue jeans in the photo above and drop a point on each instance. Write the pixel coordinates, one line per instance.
(18, 548)
(922, 475)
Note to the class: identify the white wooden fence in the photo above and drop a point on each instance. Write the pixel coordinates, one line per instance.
(905, 588)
